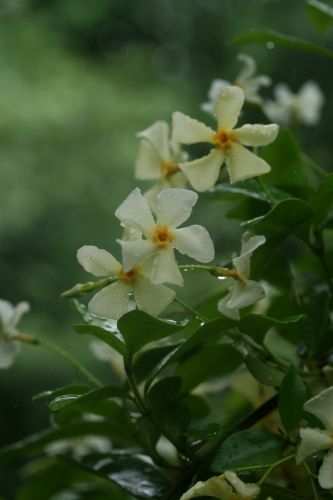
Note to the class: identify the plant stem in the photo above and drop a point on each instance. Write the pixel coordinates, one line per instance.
(28, 339)
(276, 464)
(266, 190)
(189, 308)
(313, 486)
(217, 271)
(90, 286)
(146, 411)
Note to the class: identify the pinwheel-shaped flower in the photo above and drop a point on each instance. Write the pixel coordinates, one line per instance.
(9, 317)
(228, 143)
(227, 486)
(246, 80)
(113, 301)
(314, 440)
(173, 207)
(289, 108)
(244, 291)
(158, 160)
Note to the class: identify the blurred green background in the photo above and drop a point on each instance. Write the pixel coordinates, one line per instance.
(78, 80)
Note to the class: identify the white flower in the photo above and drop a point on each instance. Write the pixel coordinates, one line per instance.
(158, 159)
(245, 80)
(227, 486)
(113, 301)
(9, 317)
(289, 108)
(228, 143)
(244, 291)
(173, 207)
(314, 439)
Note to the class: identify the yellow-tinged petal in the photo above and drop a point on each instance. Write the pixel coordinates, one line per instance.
(227, 486)
(134, 251)
(148, 162)
(325, 476)
(111, 301)
(97, 261)
(204, 172)
(158, 136)
(322, 407)
(151, 298)
(256, 135)
(228, 106)
(174, 206)
(242, 164)
(187, 130)
(312, 441)
(195, 242)
(165, 269)
(135, 212)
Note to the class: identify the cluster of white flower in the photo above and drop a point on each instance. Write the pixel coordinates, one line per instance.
(286, 109)
(9, 317)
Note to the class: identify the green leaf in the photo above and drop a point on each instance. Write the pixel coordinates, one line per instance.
(247, 448)
(105, 336)
(64, 401)
(285, 217)
(322, 203)
(208, 362)
(293, 394)
(258, 324)
(262, 370)
(281, 347)
(148, 360)
(266, 36)
(320, 14)
(62, 391)
(278, 493)
(134, 473)
(249, 189)
(165, 391)
(139, 328)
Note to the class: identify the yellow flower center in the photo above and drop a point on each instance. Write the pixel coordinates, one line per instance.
(162, 236)
(130, 276)
(168, 169)
(223, 138)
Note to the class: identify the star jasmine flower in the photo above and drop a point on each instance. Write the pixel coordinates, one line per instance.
(227, 486)
(289, 108)
(9, 318)
(244, 291)
(113, 301)
(228, 143)
(245, 80)
(163, 235)
(314, 440)
(158, 159)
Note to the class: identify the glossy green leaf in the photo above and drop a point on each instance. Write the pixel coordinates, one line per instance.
(165, 391)
(139, 328)
(322, 203)
(320, 14)
(281, 347)
(148, 360)
(104, 335)
(251, 447)
(285, 217)
(293, 394)
(61, 402)
(263, 371)
(133, 472)
(62, 391)
(258, 324)
(266, 36)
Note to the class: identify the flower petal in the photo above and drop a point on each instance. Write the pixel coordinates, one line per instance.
(322, 407)
(222, 306)
(227, 486)
(195, 242)
(214, 90)
(204, 172)
(111, 301)
(312, 100)
(151, 298)
(249, 67)
(325, 476)
(7, 312)
(242, 164)
(97, 261)
(174, 206)
(134, 211)
(158, 136)
(165, 269)
(244, 294)
(133, 251)
(189, 131)
(249, 244)
(20, 309)
(312, 441)
(228, 106)
(148, 162)
(256, 135)
(8, 351)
